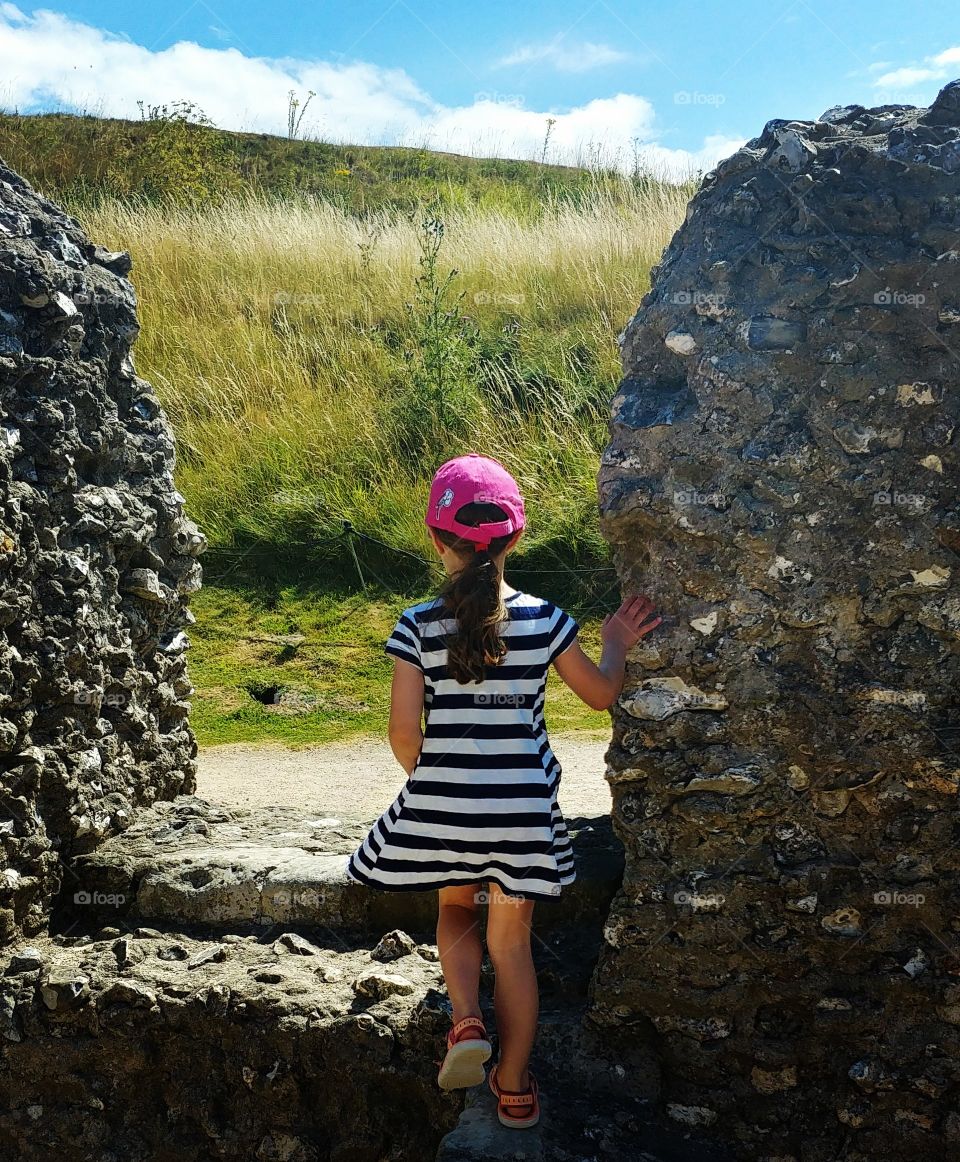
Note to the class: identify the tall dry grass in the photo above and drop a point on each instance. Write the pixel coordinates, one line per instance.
(278, 336)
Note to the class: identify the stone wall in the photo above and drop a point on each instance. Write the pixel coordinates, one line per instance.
(781, 478)
(97, 561)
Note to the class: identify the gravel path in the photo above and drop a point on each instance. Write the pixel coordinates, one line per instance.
(359, 778)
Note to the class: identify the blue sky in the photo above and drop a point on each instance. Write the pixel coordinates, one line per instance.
(681, 84)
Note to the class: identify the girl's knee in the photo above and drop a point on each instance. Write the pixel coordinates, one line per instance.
(508, 928)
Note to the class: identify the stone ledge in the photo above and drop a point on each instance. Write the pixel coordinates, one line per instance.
(191, 861)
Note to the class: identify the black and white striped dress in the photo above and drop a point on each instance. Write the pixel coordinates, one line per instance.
(481, 803)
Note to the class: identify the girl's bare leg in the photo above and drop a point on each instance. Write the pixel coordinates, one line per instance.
(515, 997)
(461, 951)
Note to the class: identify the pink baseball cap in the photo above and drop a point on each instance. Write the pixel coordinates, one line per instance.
(474, 479)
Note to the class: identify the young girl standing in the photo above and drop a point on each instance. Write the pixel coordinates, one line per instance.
(479, 807)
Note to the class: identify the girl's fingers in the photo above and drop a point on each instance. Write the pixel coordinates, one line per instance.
(637, 602)
(641, 615)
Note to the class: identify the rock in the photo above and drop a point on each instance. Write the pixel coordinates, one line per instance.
(172, 952)
(185, 1055)
(291, 942)
(871, 1074)
(127, 992)
(91, 518)
(917, 964)
(783, 451)
(681, 342)
(691, 1115)
(773, 1080)
(843, 922)
(699, 1028)
(734, 781)
(215, 953)
(65, 991)
(26, 960)
(379, 985)
(659, 698)
(393, 945)
(479, 1137)
(126, 952)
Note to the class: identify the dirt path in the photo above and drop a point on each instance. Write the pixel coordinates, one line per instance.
(359, 778)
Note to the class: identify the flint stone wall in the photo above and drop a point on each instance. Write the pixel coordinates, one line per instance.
(97, 561)
(781, 479)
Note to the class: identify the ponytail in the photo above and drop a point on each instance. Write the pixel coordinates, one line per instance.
(472, 597)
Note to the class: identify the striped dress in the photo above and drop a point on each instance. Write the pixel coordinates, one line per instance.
(481, 802)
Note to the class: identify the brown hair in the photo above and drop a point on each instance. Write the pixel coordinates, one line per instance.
(472, 596)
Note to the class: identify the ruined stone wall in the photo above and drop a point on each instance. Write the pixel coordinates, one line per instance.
(96, 557)
(781, 479)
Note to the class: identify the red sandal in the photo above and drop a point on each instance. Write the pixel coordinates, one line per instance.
(463, 1064)
(508, 1099)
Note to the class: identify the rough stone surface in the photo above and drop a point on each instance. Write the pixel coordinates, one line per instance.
(189, 861)
(97, 558)
(782, 480)
(254, 1053)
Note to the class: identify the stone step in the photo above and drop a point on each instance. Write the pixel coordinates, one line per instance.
(189, 861)
(588, 1111)
(479, 1136)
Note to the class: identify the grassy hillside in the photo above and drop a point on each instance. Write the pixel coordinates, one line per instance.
(317, 368)
(320, 354)
(174, 154)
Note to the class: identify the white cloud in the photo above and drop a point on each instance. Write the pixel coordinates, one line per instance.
(48, 60)
(577, 58)
(939, 67)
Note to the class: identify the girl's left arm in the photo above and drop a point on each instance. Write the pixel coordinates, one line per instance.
(406, 713)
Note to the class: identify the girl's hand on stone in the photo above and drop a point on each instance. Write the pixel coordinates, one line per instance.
(633, 620)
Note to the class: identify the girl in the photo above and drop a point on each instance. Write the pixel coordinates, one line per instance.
(479, 806)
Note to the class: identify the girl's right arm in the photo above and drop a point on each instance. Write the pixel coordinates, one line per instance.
(599, 686)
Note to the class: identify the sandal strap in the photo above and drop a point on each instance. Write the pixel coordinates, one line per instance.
(517, 1099)
(466, 1023)
(509, 1098)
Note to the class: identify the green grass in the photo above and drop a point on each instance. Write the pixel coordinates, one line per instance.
(289, 361)
(316, 372)
(177, 155)
(325, 654)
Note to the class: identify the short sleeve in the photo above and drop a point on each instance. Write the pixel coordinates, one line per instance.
(404, 641)
(563, 630)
